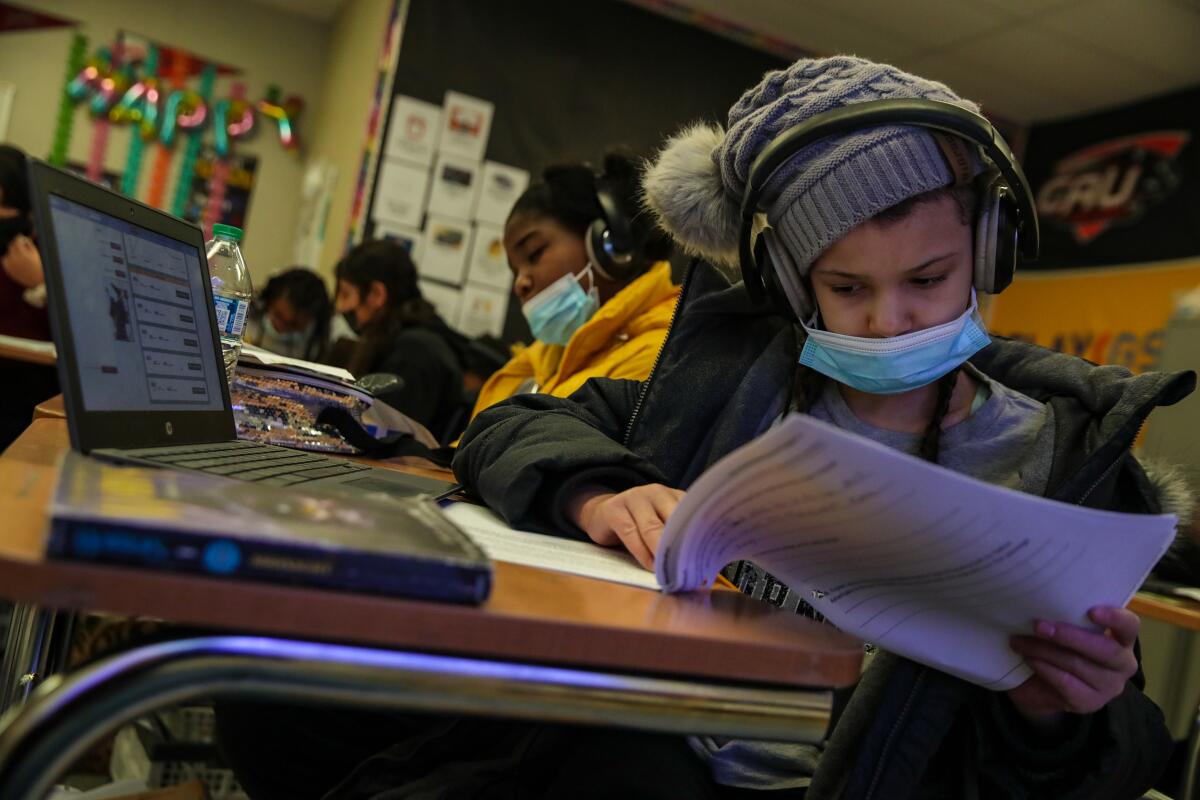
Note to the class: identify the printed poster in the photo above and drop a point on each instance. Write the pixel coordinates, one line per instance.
(413, 130)
(482, 311)
(499, 187)
(488, 265)
(466, 125)
(444, 298)
(447, 243)
(455, 185)
(407, 236)
(400, 193)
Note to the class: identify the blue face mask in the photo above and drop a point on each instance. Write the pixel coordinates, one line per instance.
(285, 343)
(899, 363)
(556, 312)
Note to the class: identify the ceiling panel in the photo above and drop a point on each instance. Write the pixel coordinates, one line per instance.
(1014, 99)
(1025, 60)
(1085, 78)
(1161, 35)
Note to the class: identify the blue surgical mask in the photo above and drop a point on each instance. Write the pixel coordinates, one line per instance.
(899, 363)
(556, 312)
(288, 342)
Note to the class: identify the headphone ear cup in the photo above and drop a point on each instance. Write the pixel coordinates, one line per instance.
(593, 243)
(986, 224)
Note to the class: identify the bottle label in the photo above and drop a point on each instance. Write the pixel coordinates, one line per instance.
(231, 315)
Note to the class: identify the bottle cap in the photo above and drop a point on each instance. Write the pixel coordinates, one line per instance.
(227, 232)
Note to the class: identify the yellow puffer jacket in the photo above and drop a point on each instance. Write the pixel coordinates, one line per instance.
(621, 340)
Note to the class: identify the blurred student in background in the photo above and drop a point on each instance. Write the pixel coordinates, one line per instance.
(22, 299)
(591, 274)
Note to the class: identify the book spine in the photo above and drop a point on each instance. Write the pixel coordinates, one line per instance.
(265, 561)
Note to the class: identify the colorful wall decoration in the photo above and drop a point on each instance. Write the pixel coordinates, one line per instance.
(169, 96)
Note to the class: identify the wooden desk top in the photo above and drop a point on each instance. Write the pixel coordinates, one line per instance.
(532, 614)
(1174, 610)
(50, 409)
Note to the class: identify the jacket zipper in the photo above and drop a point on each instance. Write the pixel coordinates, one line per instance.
(637, 407)
(1104, 475)
(887, 746)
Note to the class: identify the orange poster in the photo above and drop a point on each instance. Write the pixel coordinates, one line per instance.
(1109, 315)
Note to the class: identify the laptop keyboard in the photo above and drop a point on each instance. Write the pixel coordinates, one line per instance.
(249, 461)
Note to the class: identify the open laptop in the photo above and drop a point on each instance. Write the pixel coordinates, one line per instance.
(139, 357)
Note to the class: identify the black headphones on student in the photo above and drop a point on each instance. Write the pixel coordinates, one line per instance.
(609, 239)
(1006, 221)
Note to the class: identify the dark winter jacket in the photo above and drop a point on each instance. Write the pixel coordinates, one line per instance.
(725, 373)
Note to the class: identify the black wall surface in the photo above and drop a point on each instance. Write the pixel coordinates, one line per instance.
(571, 78)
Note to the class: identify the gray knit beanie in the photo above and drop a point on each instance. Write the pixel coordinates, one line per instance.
(695, 184)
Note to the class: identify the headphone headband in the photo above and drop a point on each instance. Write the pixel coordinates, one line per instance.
(920, 112)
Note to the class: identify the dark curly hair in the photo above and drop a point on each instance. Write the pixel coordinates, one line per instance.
(307, 293)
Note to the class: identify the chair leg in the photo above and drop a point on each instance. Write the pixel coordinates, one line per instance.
(27, 652)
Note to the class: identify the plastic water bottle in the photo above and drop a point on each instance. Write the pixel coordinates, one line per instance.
(231, 290)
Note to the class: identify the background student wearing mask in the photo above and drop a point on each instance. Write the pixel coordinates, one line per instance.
(22, 299)
(596, 311)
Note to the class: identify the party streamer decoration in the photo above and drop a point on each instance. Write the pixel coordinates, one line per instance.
(66, 104)
(180, 66)
(145, 117)
(219, 179)
(109, 87)
(193, 122)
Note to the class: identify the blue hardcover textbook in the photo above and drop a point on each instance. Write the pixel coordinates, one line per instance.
(202, 524)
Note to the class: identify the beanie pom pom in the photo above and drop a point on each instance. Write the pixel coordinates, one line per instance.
(684, 191)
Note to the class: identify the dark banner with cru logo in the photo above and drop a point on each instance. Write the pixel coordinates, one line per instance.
(1119, 187)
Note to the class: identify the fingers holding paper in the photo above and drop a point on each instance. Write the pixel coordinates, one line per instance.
(634, 518)
(1076, 669)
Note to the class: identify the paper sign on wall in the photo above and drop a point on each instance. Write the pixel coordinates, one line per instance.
(407, 236)
(444, 298)
(413, 130)
(499, 187)
(482, 311)
(446, 246)
(466, 124)
(455, 184)
(400, 195)
(489, 264)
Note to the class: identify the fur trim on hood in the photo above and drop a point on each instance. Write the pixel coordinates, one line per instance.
(1181, 563)
(685, 193)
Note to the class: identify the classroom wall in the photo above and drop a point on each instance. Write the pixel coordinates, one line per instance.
(270, 47)
(347, 90)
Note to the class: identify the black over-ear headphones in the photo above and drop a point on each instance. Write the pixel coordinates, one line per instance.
(609, 239)
(1006, 222)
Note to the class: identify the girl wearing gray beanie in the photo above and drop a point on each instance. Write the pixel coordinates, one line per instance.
(873, 242)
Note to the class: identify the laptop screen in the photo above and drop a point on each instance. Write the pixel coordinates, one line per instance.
(139, 323)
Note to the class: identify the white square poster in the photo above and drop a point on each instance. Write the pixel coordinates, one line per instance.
(499, 187)
(407, 236)
(447, 242)
(482, 310)
(466, 124)
(489, 264)
(455, 184)
(413, 130)
(444, 298)
(400, 192)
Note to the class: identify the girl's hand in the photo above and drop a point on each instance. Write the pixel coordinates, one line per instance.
(1076, 670)
(22, 262)
(633, 518)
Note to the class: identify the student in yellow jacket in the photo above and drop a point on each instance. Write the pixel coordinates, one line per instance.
(591, 274)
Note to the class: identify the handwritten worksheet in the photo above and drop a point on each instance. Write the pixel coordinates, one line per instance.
(925, 562)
